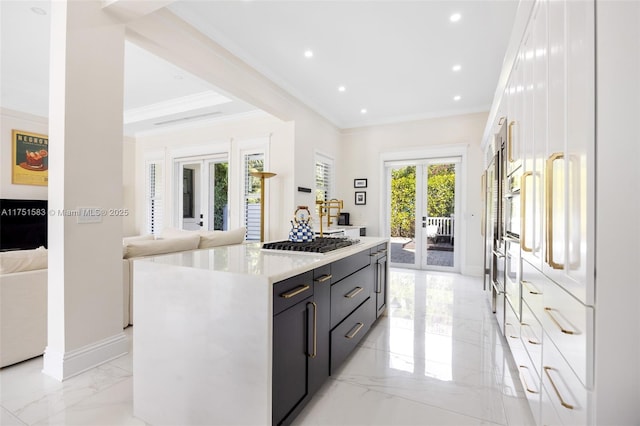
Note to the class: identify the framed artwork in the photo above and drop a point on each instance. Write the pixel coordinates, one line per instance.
(359, 183)
(361, 198)
(30, 159)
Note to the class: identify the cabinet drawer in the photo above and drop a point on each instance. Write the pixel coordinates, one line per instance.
(531, 336)
(511, 323)
(532, 285)
(346, 336)
(565, 392)
(347, 266)
(379, 251)
(349, 293)
(569, 324)
(529, 378)
(287, 293)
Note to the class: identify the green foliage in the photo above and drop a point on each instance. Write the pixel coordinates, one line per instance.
(441, 190)
(220, 194)
(403, 201)
(440, 196)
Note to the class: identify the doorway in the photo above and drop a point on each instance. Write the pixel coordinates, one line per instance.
(202, 193)
(422, 206)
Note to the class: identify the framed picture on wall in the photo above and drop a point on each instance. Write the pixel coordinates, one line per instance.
(30, 159)
(361, 198)
(359, 183)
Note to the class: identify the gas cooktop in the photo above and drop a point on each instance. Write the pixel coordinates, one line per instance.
(319, 245)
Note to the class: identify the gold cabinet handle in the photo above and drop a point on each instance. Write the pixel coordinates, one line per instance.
(296, 291)
(315, 330)
(323, 278)
(548, 310)
(383, 251)
(549, 203)
(510, 142)
(524, 381)
(353, 293)
(355, 330)
(523, 211)
(512, 335)
(533, 340)
(530, 287)
(562, 401)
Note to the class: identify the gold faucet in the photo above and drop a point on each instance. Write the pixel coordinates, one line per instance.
(325, 209)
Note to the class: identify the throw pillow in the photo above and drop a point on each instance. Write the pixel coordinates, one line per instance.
(154, 247)
(222, 238)
(23, 260)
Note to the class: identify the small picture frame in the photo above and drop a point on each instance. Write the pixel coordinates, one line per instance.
(361, 198)
(359, 183)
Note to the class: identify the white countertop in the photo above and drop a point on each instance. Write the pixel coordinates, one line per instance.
(251, 259)
(203, 331)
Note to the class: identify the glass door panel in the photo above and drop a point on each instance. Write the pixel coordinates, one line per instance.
(202, 186)
(403, 215)
(421, 216)
(438, 214)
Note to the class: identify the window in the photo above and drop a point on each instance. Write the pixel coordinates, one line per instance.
(253, 162)
(187, 193)
(324, 178)
(154, 191)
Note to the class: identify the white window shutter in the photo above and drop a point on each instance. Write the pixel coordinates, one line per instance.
(154, 197)
(324, 178)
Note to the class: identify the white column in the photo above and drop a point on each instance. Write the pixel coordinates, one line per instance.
(85, 308)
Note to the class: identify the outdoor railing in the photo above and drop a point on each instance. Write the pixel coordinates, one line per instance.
(442, 226)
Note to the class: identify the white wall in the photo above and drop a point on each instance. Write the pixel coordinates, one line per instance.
(312, 135)
(361, 158)
(225, 137)
(10, 120)
(128, 179)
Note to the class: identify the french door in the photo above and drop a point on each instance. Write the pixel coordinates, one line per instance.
(201, 189)
(422, 205)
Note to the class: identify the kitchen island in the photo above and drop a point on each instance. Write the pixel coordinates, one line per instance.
(242, 335)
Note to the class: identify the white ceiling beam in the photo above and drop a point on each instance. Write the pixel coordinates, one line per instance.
(129, 10)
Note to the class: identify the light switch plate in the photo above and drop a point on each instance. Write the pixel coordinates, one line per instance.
(89, 215)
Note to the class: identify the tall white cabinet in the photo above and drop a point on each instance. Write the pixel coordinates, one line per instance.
(561, 98)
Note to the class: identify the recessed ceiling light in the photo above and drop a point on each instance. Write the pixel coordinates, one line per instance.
(341, 89)
(457, 98)
(363, 111)
(456, 68)
(455, 17)
(38, 11)
(308, 54)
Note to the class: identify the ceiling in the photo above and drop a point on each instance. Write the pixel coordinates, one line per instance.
(393, 58)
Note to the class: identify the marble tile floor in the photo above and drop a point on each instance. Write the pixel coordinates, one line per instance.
(437, 358)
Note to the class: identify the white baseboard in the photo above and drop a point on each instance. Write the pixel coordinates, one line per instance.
(62, 366)
(474, 271)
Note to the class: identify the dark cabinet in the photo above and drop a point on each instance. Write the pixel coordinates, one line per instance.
(292, 349)
(300, 341)
(319, 317)
(380, 278)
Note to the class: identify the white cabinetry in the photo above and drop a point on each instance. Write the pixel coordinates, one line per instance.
(551, 113)
(569, 168)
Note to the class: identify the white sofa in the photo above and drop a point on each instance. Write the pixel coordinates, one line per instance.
(23, 293)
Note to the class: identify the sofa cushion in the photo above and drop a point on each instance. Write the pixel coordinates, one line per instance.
(161, 246)
(176, 233)
(127, 240)
(23, 260)
(221, 238)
